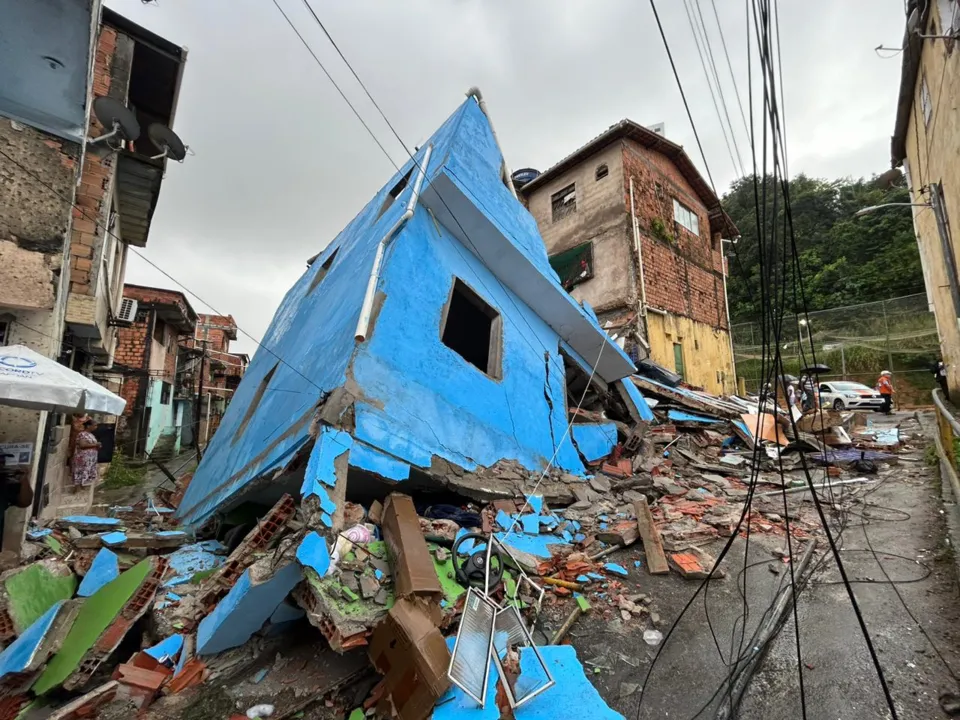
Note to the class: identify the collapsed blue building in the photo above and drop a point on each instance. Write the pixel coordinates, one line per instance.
(427, 345)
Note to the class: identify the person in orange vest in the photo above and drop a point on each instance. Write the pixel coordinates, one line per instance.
(885, 387)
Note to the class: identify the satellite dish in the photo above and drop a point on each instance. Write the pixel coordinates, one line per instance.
(118, 117)
(168, 141)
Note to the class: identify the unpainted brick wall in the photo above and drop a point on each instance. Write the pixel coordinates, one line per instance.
(90, 217)
(684, 275)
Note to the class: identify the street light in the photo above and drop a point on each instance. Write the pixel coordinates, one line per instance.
(873, 208)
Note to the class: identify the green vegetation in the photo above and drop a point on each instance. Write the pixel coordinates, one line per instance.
(122, 474)
(844, 260)
(659, 230)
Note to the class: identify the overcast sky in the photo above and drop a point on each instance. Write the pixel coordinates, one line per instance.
(282, 164)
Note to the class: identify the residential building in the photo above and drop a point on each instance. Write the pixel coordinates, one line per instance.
(221, 373)
(635, 231)
(926, 142)
(148, 357)
(69, 208)
(429, 342)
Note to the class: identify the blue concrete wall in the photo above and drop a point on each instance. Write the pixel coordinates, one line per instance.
(419, 398)
(162, 419)
(445, 405)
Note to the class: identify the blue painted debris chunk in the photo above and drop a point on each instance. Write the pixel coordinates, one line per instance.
(326, 520)
(637, 563)
(286, 612)
(90, 520)
(504, 520)
(594, 441)
(330, 445)
(167, 649)
(571, 698)
(244, 610)
(468, 547)
(538, 545)
(173, 597)
(314, 553)
(595, 576)
(37, 534)
(681, 416)
(169, 533)
(616, 569)
(104, 568)
(18, 656)
(583, 579)
(530, 523)
(638, 400)
(535, 502)
(114, 538)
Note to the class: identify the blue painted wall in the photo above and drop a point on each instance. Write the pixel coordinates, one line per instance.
(418, 399)
(162, 418)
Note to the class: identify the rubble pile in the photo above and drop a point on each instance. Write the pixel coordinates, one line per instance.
(127, 612)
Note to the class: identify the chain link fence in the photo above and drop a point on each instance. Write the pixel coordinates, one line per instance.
(856, 342)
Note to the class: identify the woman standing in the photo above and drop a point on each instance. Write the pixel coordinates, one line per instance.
(84, 465)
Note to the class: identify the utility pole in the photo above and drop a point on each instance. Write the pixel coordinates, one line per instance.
(199, 401)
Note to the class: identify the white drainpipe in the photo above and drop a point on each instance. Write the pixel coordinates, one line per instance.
(363, 324)
(639, 249)
(475, 93)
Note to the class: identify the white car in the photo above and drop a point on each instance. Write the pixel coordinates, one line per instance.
(843, 395)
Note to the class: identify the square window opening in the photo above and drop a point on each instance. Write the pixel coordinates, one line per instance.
(685, 217)
(322, 271)
(574, 266)
(4, 331)
(602, 171)
(158, 332)
(394, 193)
(564, 203)
(164, 393)
(472, 329)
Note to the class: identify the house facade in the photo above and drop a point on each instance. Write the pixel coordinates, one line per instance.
(925, 143)
(221, 372)
(633, 229)
(148, 358)
(69, 208)
(429, 342)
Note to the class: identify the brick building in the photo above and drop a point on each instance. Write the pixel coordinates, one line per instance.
(149, 359)
(222, 371)
(61, 267)
(634, 230)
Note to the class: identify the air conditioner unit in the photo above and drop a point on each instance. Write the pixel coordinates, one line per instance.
(128, 311)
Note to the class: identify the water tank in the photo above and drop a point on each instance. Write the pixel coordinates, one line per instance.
(523, 176)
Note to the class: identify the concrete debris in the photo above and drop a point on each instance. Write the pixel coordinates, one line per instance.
(380, 580)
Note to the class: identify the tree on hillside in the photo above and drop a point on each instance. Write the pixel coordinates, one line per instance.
(844, 260)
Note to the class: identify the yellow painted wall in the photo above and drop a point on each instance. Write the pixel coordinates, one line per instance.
(707, 355)
(933, 145)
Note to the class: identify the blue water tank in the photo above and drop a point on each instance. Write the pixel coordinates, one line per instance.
(523, 176)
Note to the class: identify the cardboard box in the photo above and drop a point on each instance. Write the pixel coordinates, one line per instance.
(409, 650)
(413, 572)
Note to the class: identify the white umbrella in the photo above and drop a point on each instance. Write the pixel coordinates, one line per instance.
(30, 380)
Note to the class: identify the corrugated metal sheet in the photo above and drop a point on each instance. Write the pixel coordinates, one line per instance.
(138, 187)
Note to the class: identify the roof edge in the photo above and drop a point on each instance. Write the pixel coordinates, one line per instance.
(628, 129)
(909, 70)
